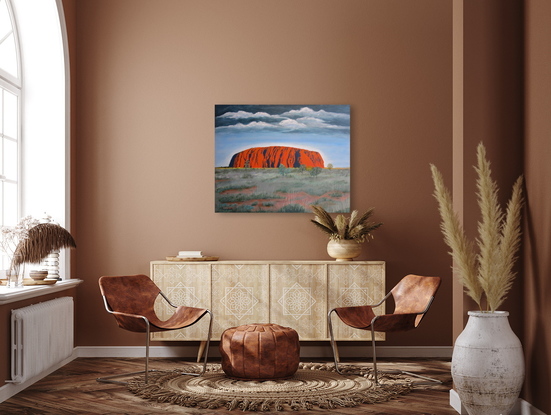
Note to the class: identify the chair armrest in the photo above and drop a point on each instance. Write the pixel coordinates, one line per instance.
(167, 299)
(380, 302)
(119, 313)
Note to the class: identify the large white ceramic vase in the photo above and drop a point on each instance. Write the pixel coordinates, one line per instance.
(488, 364)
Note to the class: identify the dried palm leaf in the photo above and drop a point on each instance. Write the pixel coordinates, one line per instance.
(42, 239)
(323, 218)
(341, 228)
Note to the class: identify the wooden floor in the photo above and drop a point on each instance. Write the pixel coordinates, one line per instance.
(73, 390)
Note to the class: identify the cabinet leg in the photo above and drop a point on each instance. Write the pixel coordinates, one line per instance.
(201, 350)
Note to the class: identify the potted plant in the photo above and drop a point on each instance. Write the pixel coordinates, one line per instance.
(487, 361)
(346, 235)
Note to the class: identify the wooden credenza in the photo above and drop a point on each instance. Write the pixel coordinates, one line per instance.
(296, 294)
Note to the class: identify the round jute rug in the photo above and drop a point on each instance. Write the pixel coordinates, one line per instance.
(312, 385)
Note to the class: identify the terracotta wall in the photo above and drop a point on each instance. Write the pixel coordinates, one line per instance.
(148, 75)
(537, 330)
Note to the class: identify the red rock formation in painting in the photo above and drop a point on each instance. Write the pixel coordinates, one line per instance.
(274, 156)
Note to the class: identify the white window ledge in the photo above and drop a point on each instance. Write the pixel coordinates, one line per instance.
(10, 295)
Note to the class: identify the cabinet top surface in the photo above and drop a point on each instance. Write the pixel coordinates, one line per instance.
(271, 262)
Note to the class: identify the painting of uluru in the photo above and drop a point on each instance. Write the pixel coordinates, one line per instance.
(282, 158)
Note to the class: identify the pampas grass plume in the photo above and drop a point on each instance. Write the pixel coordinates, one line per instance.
(487, 274)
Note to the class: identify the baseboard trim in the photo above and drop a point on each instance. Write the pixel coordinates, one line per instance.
(521, 407)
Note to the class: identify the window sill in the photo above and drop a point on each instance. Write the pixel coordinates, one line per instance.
(10, 295)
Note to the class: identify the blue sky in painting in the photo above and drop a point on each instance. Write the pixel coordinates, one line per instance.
(322, 128)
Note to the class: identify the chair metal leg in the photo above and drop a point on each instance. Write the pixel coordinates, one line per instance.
(375, 370)
(374, 355)
(206, 351)
(333, 343)
(110, 379)
(397, 371)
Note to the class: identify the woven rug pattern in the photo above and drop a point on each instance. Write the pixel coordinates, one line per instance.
(313, 385)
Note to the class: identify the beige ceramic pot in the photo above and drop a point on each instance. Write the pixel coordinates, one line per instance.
(344, 250)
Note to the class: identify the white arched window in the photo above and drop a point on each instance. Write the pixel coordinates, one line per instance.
(34, 80)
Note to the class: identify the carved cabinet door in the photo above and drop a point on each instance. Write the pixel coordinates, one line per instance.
(187, 285)
(298, 299)
(240, 295)
(352, 285)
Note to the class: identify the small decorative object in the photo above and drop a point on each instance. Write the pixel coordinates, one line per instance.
(276, 158)
(15, 275)
(344, 249)
(38, 275)
(345, 234)
(487, 361)
(51, 262)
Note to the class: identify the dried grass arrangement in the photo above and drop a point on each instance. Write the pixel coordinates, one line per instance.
(356, 227)
(40, 241)
(485, 268)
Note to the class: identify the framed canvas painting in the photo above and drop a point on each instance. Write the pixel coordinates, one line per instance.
(282, 158)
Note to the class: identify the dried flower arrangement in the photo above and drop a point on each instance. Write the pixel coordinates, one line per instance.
(31, 241)
(12, 236)
(489, 273)
(356, 227)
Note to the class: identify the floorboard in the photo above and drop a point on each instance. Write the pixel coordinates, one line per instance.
(73, 390)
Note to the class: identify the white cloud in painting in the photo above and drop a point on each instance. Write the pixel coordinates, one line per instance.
(312, 122)
(245, 115)
(293, 124)
(321, 114)
(254, 125)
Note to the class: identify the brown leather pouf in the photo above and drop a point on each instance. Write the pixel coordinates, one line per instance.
(260, 352)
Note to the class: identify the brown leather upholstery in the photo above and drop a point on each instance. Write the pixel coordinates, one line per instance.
(133, 296)
(260, 352)
(412, 295)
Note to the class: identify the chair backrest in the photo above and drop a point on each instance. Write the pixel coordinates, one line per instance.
(132, 294)
(414, 294)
